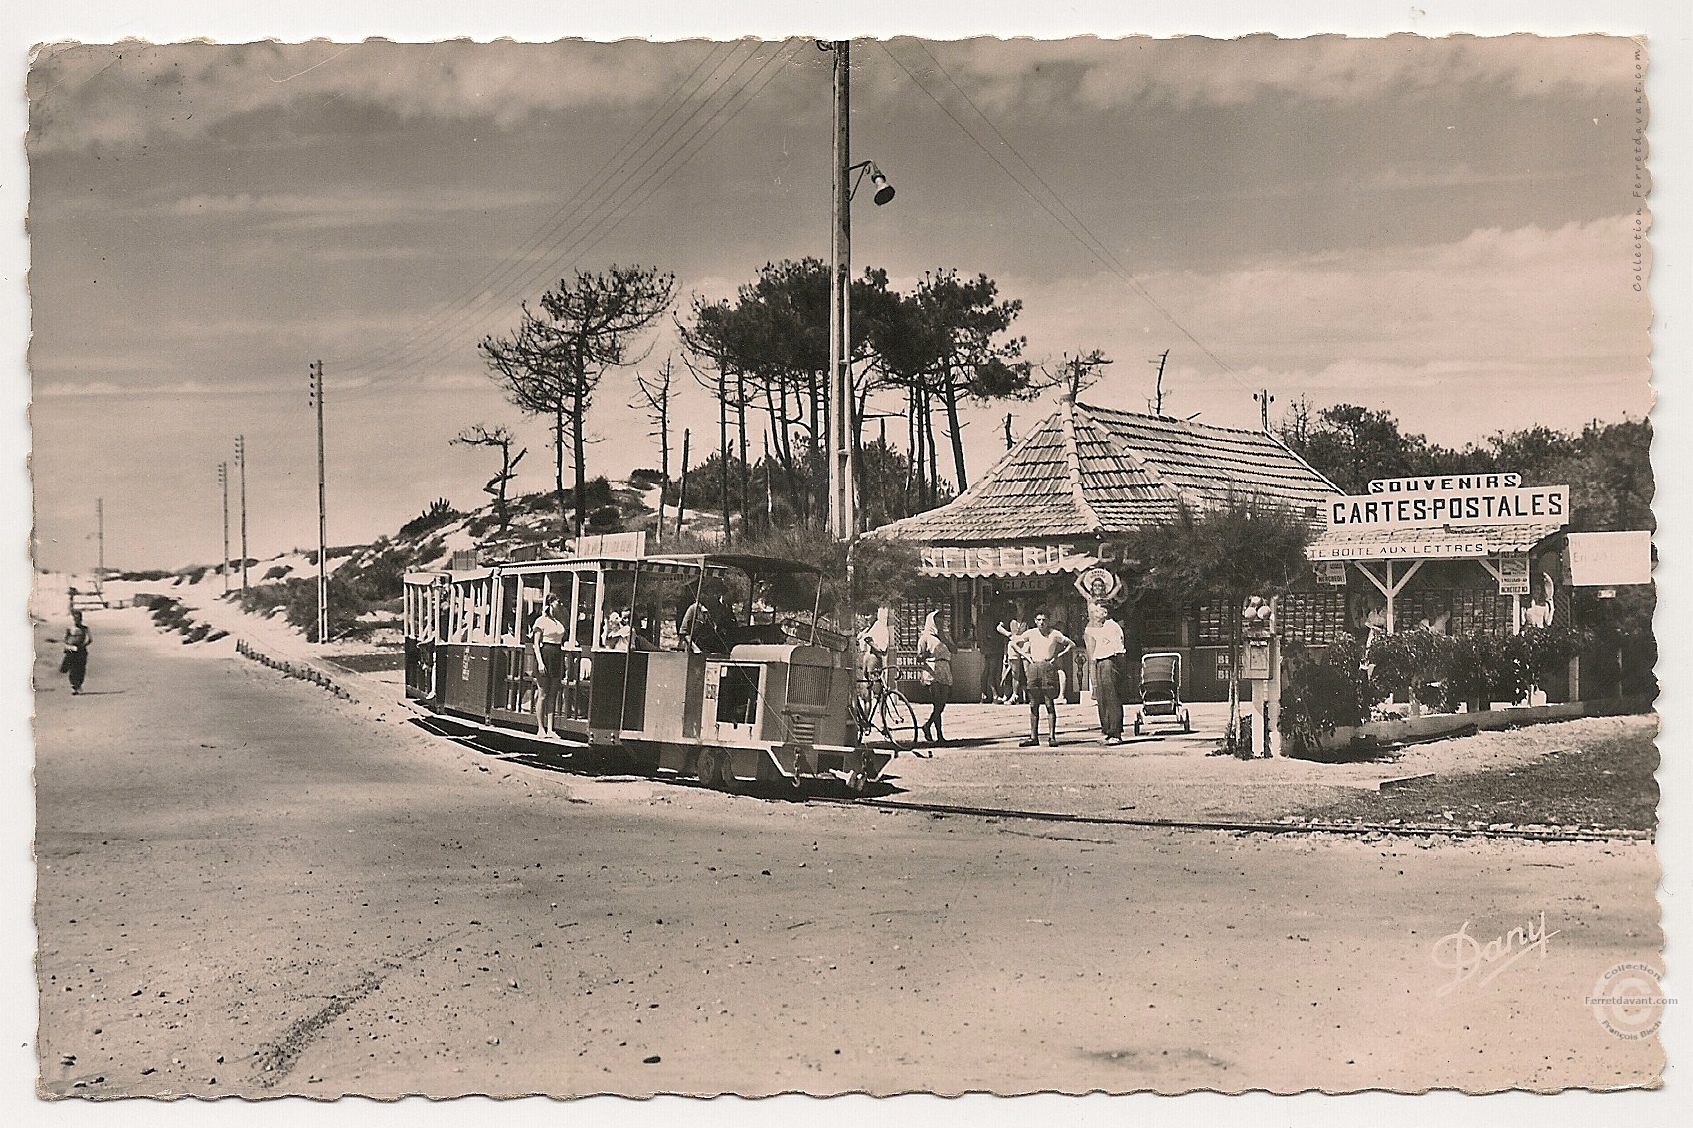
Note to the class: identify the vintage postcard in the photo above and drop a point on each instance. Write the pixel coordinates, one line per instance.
(867, 565)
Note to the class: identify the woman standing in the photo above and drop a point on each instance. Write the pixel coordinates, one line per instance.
(934, 651)
(548, 642)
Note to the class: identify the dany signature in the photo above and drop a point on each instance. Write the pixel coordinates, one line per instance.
(1468, 958)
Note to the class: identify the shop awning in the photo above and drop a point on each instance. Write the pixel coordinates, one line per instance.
(1451, 542)
(1004, 560)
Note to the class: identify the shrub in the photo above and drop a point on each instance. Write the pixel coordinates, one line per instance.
(277, 571)
(606, 519)
(1412, 662)
(439, 512)
(1321, 692)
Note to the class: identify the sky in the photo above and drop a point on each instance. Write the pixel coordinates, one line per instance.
(1451, 230)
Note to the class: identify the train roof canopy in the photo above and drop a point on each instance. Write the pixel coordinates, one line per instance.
(746, 562)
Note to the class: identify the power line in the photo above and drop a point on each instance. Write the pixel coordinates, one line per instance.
(616, 211)
(614, 164)
(1091, 243)
(624, 208)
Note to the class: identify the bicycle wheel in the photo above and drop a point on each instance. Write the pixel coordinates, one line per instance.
(898, 721)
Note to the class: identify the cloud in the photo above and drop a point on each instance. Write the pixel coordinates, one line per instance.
(1103, 73)
(349, 208)
(1511, 312)
(83, 95)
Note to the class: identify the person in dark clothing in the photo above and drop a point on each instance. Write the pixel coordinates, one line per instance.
(75, 663)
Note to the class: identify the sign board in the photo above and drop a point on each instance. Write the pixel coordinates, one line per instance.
(1099, 585)
(615, 545)
(1445, 483)
(1257, 661)
(1505, 505)
(1513, 574)
(1610, 559)
(1331, 573)
(1003, 559)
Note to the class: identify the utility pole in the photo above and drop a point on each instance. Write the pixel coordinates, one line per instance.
(1158, 395)
(842, 522)
(241, 465)
(223, 482)
(1265, 399)
(100, 564)
(322, 518)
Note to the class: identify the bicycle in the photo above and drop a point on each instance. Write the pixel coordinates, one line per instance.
(876, 707)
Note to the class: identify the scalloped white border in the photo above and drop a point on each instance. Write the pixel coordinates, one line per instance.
(1670, 42)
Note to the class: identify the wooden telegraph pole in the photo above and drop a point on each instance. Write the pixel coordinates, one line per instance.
(241, 465)
(223, 483)
(842, 520)
(322, 518)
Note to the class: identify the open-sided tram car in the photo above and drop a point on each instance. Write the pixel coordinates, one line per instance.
(738, 701)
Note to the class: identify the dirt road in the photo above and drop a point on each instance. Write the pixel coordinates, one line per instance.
(250, 887)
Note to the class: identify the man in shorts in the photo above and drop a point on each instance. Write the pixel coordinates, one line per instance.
(1042, 649)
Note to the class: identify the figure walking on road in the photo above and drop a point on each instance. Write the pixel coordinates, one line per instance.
(1104, 637)
(934, 651)
(75, 662)
(1042, 648)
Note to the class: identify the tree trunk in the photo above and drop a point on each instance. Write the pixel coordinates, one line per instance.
(957, 432)
(578, 438)
(723, 452)
(663, 452)
(741, 427)
(558, 470)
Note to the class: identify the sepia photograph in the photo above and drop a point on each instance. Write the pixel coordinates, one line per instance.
(871, 564)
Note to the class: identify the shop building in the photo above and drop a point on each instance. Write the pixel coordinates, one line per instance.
(1059, 504)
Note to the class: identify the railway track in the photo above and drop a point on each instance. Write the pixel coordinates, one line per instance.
(559, 755)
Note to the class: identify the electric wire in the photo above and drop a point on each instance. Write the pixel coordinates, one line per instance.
(590, 208)
(1073, 225)
(622, 209)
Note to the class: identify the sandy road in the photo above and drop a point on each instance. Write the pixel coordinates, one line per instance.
(249, 887)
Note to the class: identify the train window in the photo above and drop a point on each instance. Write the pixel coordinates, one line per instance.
(481, 610)
(508, 610)
(619, 612)
(737, 695)
(531, 594)
(458, 629)
(586, 590)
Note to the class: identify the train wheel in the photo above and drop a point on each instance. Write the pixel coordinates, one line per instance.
(726, 778)
(706, 768)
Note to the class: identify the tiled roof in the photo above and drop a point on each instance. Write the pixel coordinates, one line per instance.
(1454, 541)
(1085, 470)
(1208, 464)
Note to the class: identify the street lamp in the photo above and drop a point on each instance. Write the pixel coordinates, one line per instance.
(843, 520)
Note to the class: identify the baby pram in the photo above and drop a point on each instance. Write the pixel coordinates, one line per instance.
(1161, 693)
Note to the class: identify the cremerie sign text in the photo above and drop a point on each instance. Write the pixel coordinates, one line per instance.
(1453, 499)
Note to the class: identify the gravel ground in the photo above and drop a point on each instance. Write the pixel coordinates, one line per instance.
(248, 886)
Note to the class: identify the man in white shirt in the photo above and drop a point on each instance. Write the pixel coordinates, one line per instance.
(1104, 636)
(1042, 648)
